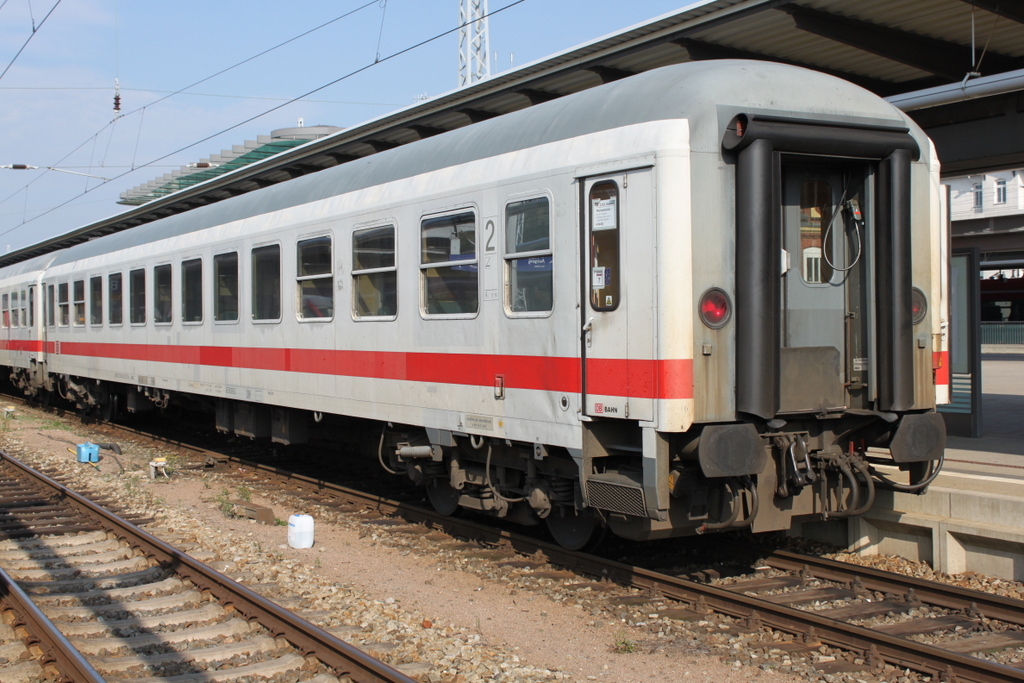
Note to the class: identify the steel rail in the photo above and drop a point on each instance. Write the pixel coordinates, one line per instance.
(872, 645)
(56, 647)
(951, 597)
(310, 639)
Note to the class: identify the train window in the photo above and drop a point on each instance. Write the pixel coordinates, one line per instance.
(78, 299)
(225, 279)
(5, 305)
(605, 278)
(375, 279)
(314, 278)
(137, 296)
(815, 236)
(96, 300)
(162, 294)
(266, 283)
(51, 309)
(192, 291)
(31, 306)
(24, 309)
(115, 305)
(528, 256)
(63, 304)
(14, 309)
(448, 265)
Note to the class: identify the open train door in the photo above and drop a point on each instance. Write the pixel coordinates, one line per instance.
(827, 241)
(617, 219)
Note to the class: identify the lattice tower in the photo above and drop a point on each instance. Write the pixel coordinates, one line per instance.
(473, 62)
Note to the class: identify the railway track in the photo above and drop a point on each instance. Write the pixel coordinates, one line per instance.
(874, 618)
(93, 597)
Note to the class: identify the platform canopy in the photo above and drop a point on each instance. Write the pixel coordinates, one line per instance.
(957, 66)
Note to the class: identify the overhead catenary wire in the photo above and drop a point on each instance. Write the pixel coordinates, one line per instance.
(206, 94)
(138, 137)
(350, 74)
(181, 90)
(35, 29)
(383, 15)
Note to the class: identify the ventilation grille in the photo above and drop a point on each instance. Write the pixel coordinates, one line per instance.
(628, 500)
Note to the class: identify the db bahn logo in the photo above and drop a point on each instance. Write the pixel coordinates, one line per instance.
(598, 407)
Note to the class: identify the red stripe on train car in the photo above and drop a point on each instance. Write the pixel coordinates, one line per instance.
(30, 345)
(640, 378)
(669, 379)
(940, 366)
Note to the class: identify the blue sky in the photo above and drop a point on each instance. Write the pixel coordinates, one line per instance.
(58, 94)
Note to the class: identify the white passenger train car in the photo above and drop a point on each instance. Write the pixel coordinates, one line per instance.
(689, 300)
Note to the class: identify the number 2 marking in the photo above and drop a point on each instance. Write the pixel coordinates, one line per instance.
(489, 229)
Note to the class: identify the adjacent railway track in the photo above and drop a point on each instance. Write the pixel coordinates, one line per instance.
(96, 598)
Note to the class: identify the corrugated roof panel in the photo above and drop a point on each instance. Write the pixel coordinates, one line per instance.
(942, 19)
(774, 33)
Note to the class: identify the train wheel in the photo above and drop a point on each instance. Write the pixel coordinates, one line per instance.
(443, 497)
(571, 529)
(109, 408)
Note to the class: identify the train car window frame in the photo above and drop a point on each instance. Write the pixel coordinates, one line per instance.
(222, 296)
(51, 308)
(192, 291)
(31, 305)
(6, 306)
(163, 294)
(115, 299)
(260, 297)
(78, 303)
(438, 272)
(376, 274)
(604, 228)
(137, 297)
(64, 304)
(314, 279)
(538, 301)
(96, 300)
(24, 309)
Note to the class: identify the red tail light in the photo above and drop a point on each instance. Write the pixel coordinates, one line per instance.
(715, 308)
(918, 305)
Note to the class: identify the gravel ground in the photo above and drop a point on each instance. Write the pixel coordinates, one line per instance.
(426, 603)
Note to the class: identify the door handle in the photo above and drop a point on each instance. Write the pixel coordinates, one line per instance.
(588, 329)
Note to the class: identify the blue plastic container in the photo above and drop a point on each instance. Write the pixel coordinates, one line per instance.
(88, 452)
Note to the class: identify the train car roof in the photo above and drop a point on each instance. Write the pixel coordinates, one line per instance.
(18, 271)
(708, 94)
